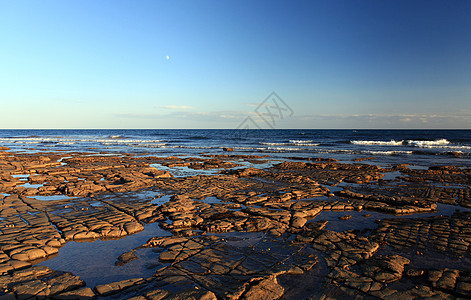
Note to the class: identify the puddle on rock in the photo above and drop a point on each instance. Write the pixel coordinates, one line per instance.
(61, 159)
(319, 198)
(211, 200)
(34, 186)
(52, 198)
(331, 188)
(417, 167)
(350, 185)
(22, 177)
(96, 204)
(391, 175)
(184, 171)
(359, 221)
(256, 165)
(141, 195)
(94, 262)
(161, 200)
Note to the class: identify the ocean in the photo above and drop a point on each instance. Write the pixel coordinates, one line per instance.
(421, 148)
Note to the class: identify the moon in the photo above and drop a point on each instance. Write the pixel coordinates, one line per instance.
(167, 57)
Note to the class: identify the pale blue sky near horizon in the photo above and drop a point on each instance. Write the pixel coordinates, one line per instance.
(208, 64)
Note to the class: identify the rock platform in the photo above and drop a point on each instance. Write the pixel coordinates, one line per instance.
(237, 231)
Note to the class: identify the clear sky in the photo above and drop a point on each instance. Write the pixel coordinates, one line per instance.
(208, 64)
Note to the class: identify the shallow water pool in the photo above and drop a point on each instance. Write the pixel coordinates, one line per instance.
(94, 262)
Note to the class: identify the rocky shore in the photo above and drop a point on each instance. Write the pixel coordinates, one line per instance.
(240, 227)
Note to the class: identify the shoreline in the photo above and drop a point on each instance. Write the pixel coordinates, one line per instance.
(415, 147)
(233, 219)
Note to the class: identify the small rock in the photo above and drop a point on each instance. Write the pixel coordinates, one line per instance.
(265, 289)
(298, 222)
(83, 293)
(125, 258)
(414, 272)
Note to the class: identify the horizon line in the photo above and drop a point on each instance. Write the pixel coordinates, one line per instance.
(235, 129)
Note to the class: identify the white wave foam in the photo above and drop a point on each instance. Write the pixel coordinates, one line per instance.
(386, 152)
(275, 144)
(337, 151)
(291, 144)
(136, 144)
(425, 144)
(450, 147)
(191, 147)
(66, 143)
(115, 140)
(150, 145)
(378, 143)
(439, 143)
(300, 142)
(127, 141)
(284, 149)
(250, 148)
(366, 152)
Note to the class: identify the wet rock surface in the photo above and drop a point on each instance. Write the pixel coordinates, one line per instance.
(240, 232)
(231, 266)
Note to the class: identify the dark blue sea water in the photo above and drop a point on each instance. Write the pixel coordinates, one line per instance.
(419, 147)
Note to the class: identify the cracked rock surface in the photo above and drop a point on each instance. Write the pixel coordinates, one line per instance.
(237, 232)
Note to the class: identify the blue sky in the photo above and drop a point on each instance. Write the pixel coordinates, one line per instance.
(209, 64)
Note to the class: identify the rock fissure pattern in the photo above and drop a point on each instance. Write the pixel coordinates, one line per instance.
(239, 233)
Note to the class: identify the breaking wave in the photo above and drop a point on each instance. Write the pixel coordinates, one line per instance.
(440, 142)
(379, 143)
(300, 142)
(413, 143)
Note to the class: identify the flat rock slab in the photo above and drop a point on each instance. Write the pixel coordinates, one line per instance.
(230, 265)
(39, 281)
